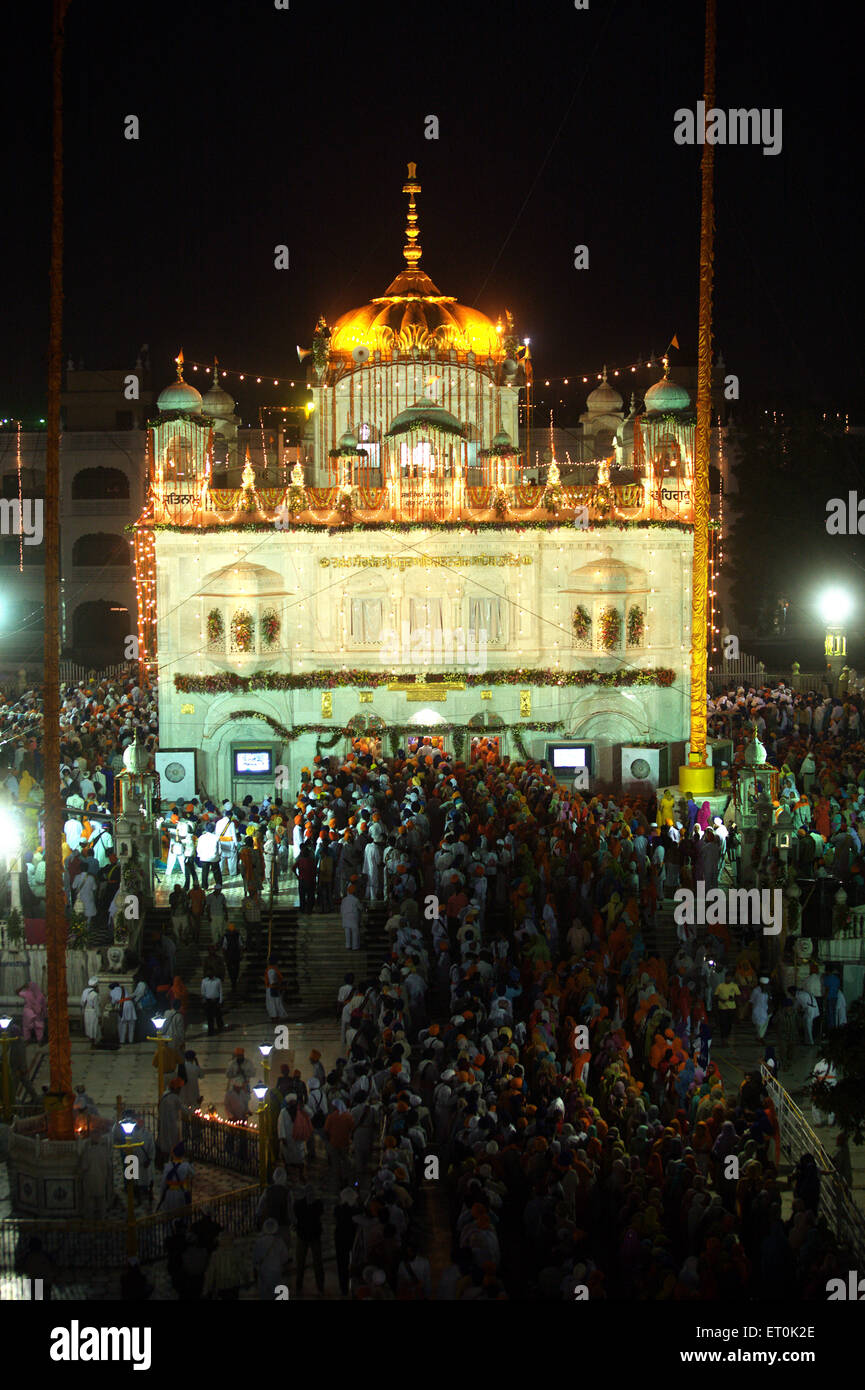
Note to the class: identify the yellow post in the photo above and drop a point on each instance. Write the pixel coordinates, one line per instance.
(263, 1145)
(160, 1065)
(129, 1183)
(7, 1078)
(131, 1224)
(698, 777)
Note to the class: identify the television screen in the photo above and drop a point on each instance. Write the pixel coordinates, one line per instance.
(253, 762)
(569, 757)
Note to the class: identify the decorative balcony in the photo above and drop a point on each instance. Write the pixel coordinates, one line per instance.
(430, 499)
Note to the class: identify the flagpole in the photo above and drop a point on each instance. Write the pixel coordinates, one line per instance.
(698, 777)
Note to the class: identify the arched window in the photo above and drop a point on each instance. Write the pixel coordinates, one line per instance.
(100, 485)
(101, 548)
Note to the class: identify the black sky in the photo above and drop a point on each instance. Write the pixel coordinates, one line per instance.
(261, 126)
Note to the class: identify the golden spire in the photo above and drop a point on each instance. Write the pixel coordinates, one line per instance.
(179, 360)
(666, 361)
(215, 372)
(412, 249)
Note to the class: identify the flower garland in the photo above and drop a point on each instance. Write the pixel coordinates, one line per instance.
(345, 506)
(499, 501)
(242, 631)
(457, 731)
(80, 935)
(229, 682)
(471, 528)
(551, 499)
(636, 626)
(321, 343)
(582, 624)
(215, 627)
(610, 628)
(270, 626)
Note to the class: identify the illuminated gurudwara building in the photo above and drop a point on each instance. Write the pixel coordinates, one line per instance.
(412, 578)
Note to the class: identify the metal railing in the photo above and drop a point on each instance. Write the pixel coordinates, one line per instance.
(70, 1244)
(797, 1138)
(723, 674)
(233, 1211)
(103, 1244)
(71, 672)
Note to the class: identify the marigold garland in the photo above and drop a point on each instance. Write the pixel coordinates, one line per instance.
(229, 682)
(610, 628)
(270, 626)
(242, 631)
(403, 527)
(582, 624)
(290, 733)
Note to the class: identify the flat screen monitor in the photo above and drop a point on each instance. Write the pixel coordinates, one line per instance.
(253, 762)
(566, 759)
(569, 757)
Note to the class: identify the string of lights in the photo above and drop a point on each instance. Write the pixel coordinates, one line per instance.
(584, 375)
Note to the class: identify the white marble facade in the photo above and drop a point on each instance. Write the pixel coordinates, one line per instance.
(415, 602)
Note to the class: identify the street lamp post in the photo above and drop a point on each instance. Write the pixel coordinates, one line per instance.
(835, 606)
(159, 1024)
(265, 1049)
(128, 1127)
(260, 1093)
(6, 1042)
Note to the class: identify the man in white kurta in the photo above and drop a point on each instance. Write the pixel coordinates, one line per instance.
(372, 861)
(90, 1010)
(760, 1006)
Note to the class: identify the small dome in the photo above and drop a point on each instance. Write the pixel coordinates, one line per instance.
(216, 401)
(348, 443)
(666, 395)
(425, 414)
(502, 440)
(605, 399)
(180, 396)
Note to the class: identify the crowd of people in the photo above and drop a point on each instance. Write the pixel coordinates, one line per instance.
(526, 1037)
(526, 1064)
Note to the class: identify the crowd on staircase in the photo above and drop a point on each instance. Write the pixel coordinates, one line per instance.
(528, 1048)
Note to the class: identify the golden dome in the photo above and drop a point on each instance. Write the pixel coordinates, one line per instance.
(413, 312)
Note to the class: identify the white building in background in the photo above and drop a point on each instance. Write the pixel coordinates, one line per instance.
(412, 580)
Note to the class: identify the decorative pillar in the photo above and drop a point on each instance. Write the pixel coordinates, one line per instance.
(59, 1100)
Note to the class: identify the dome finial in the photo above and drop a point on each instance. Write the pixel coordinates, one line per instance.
(179, 361)
(666, 361)
(604, 373)
(215, 372)
(412, 250)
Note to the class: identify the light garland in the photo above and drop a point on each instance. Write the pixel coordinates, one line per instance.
(584, 376)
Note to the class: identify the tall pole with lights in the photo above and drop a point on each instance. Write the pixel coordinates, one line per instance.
(60, 1119)
(698, 776)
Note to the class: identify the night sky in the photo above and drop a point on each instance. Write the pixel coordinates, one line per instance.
(260, 127)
